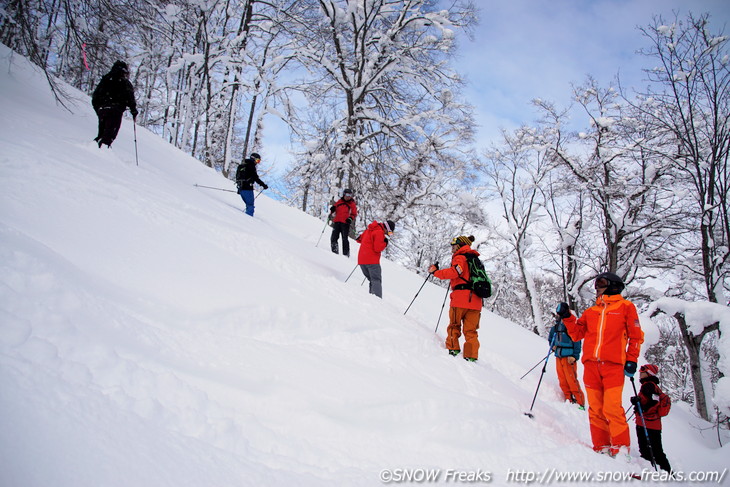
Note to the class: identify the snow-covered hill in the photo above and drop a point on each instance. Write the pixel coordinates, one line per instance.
(152, 334)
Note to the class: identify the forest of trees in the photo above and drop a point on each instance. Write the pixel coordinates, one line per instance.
(373, 102)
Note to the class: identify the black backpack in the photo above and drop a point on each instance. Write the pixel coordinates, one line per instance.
(478, 279)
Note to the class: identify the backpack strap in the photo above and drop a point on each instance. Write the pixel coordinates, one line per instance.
(466, 281)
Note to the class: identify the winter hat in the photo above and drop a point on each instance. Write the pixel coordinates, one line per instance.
(347, 192)
(390, 226)
(462, 240)
(255, 155)
(121, 66)
(650, 369)
(615, 284)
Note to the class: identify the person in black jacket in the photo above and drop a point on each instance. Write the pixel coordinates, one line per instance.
(112, 96)
(246, 175)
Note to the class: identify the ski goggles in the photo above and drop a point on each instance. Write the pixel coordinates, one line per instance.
(601, 283)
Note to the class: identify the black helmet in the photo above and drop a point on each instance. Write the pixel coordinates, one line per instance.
(255, 155)
(347, 192)
(613, 283)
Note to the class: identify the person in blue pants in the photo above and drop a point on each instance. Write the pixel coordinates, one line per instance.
(246, 176)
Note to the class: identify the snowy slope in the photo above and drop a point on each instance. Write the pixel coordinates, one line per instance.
(152, 334)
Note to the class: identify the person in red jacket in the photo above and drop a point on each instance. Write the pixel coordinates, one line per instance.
(465, 307)
(654, 404)
(372, 242)
(612, 339)
(342, 213)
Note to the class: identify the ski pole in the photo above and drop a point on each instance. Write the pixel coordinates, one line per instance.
(534, 366)
(320, 235)
(643, 422)
(442, 309)
(529, 413)
(254, 198)
(419, 290)
(351, 273)
(542, 374)
(550, 350)
(211, 187)
(134, 124)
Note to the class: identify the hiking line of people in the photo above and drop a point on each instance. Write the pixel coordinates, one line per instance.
(610, 329)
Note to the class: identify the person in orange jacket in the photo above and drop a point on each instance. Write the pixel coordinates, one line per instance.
(465, 307)
(567, 354)
(654, 404)
(372, 242)
(612, 339)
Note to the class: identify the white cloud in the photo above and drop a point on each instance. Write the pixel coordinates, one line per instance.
(527, 49)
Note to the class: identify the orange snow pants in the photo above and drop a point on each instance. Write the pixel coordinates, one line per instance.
(568, 378)
(604, 383)
(470, 320)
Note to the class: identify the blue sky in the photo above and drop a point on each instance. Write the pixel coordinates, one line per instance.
(525, 49)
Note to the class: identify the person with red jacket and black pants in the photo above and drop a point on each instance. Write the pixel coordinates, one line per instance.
(654, 404)
(343, 212)
(465, 307)
(372, 242)
(612, 339)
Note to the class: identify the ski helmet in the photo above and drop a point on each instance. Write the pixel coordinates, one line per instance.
(612, 283)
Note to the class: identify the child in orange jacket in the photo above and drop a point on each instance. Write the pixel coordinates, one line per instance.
(465, 306)
(612, 339)
(567, 354)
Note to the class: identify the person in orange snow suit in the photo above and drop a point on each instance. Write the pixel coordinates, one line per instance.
(654, 404)
(465, 307)
(612, 339)
(343, 213)
(567, 354)
(372, 242)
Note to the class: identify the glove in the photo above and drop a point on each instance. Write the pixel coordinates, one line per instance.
(264, 186)
(635, 400)
(134, 112)
(349, 220)
(386, 240)
(563, 311)
(629, 368)
(332, 209)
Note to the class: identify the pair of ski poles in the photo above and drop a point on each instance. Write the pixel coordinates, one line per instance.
(419, 292)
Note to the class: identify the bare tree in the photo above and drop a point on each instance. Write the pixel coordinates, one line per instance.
(689, 103)
(620, 180)
(382, 70)
(515, 170)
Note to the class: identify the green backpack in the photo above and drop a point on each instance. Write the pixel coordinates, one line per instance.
(478, 279)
